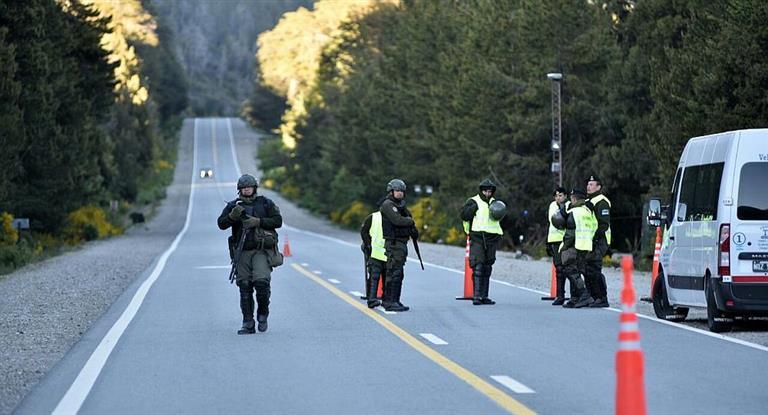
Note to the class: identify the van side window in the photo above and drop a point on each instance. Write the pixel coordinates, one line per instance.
(673, 196)
(753, 199)
(700, 191)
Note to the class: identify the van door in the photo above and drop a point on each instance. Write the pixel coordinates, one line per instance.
(674, 250)
(749, 230)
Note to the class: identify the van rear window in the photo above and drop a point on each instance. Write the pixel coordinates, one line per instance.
(753, 199)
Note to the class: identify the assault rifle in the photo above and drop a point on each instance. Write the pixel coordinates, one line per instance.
(416, 248)
(237, 255)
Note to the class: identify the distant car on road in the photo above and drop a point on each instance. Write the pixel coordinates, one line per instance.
(714, 252)
(206, 172)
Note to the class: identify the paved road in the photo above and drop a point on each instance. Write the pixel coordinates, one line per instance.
(168, 345)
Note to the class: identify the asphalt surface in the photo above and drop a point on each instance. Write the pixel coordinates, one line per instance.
(168, 343)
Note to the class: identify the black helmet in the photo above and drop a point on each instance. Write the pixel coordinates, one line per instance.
(395, 184)
(488, 184)
(247, 180)
(497, 210)
(580, 193)
(558, 221)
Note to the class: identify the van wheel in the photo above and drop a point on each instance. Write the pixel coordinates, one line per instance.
(717, 321)
(661, 306)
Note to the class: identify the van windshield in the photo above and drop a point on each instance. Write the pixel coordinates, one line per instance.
(753, 199)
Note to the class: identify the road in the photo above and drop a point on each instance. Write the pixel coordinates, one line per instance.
(168, 345)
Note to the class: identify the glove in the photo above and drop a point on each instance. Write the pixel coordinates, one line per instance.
(589, 204)
(234, 214)
(251, 222)
(414, 233)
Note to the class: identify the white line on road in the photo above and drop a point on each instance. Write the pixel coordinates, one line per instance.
(214, 267)
(512, 384)
(317, 272)
(433, 339)
(304, 264)
(73, 399)
(386, 312)
(502, 283)
(334, 280)
(357, 293)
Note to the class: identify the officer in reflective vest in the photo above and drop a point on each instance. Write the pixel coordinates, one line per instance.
(482, 226)
(580, 226)
(372, 234)
(601, 206)
(554, 238)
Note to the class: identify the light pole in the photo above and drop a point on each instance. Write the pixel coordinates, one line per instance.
(557, 139)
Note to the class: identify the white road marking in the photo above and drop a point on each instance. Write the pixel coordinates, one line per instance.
(357, 293)
(386, 312)
(334, 280)
(433, 339)
(502, 283)
(304, 264)
(214, 267)
(317, 272)
(73, 399)
(512, 384)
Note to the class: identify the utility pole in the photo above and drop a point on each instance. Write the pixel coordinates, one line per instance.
(557, 139)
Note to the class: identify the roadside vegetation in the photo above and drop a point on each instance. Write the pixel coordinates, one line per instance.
(446, 93)
(90, 107)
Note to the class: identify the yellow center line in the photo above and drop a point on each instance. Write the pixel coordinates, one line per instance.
(494, 393)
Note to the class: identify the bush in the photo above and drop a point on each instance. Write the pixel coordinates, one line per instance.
(352, 216)
(88, 223)
(8, 234)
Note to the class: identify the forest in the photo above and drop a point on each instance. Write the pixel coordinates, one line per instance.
(445, 93)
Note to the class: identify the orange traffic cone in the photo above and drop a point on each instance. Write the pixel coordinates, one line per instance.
(286, 248)
(469, 285)
(380, 290)
(630, 385)
(552, 285)
(655, 269)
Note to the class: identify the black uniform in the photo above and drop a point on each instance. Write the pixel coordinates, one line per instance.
(376, 268)
(398, 228)
(259, 254)
(594, 264)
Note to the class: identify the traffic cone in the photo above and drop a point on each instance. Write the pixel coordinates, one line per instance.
(630, 385)
(287, 248)
(655, 269)
(380, 290)
(469, 285)
(552, 285)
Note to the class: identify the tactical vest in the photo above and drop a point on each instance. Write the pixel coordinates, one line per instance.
(377, 237)
(392, 231)
(257, 238)
(482, 221)
(586, 225)
(554, 235)
(597, 199)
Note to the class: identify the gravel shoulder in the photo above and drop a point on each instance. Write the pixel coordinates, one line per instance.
(47, 306)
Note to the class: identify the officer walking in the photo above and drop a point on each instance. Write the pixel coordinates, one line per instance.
(259, 217)
(398, 226)
(601, 206)
(580, 225)
(554, 238)
(481, 215)
(372, 234)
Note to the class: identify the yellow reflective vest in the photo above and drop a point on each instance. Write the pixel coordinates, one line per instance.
(554, 235)
(586, 226)
(597, 199)
(377, 238)
(482, 221)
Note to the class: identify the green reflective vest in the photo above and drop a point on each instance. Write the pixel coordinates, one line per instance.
(377, 238)
(483, 221)
(586, 226)
(595, 201)
(554, 235)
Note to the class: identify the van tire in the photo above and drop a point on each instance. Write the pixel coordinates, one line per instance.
(717, 321)
(661, 306)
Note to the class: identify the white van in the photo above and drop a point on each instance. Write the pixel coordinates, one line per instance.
(714, 252)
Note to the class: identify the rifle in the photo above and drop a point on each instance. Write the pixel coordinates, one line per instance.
(236, 257)
(416, 248)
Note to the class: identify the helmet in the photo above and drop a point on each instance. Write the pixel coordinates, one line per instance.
(558, 221)
(395, 184)
(247, 180)
(497, 210)
(579, 193)
(488, 184)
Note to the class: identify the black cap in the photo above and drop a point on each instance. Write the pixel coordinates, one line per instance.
(579, 193)
(559, 189)
(594, 178)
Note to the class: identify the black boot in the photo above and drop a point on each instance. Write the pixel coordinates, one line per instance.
(558, 301)
(477, 284)
(398, 291)
(484, 290)
(248, 327)
(584, 298)
(373, 286)
(262, 318)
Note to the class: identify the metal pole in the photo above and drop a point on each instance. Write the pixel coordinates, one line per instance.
(557, 143)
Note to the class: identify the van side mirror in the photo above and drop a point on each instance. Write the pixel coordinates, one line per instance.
(682, 209)
(654, 213)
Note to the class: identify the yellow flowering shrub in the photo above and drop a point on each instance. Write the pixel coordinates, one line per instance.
(8, 234)
(89, 223)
